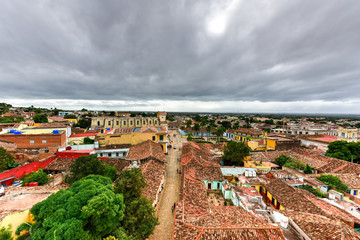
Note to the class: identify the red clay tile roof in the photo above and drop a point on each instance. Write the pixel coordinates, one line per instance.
(57, 119)
(319, 227)
(53, 125)
(90, 134)
(146, 150)
(153, 172)
(198, 162)
(195, 219)
(292, 198)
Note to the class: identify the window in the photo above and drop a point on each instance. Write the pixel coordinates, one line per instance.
(101, 154)
(44, 141)
(32, 141)
(149, 122)
(161, 137)
(109, 122)
(155, 122)
(144, 122)
(98, 123)
(117, 154)
(109, 154)
(153, 138)
(124, 122)
(117, 122)
(137, 122)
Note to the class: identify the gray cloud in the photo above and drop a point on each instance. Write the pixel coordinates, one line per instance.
(278, 51)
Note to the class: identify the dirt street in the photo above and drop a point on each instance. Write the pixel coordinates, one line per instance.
(169, 195)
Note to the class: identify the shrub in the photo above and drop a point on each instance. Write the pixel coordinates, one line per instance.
(282, 159)
(314, 191)
(334, 182)
(40, 177)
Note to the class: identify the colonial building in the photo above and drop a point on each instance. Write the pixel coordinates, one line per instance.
(127, 122)
(347, 134)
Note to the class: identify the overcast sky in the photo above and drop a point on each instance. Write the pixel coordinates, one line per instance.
(178, 55)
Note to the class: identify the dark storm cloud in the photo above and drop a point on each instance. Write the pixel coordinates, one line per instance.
(163, 50)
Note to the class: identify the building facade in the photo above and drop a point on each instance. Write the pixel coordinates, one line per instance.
(123, 122)
(347, 134)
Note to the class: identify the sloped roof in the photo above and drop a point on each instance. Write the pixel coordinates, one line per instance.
(153, 172)
(319, 227)
(195, 219)
(148, 149)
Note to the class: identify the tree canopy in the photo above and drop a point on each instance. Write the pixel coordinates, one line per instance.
(235, 153)
(41, 118)
(5, 234)
(344, 150)
(333, 181)
(37, 176)
(139, 220)
(89, 209)
(6, 160)
(88, 165)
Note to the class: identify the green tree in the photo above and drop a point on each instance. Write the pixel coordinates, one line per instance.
(235, 153)
(87, 140)
(196, 127)
(308, 169)
(282, 159)
(26, 228)
(188, 123)
(190, 137)
(41, 118)
(84, 122)
(139, 220)
(197, 118)
(5, 234)
(6, 160)
(130, 183)
(55, 112)
(37, 176)
(333, 181)
(339, 149)
(89, 209)
(88, 165)
(236, 125)
(314, 191)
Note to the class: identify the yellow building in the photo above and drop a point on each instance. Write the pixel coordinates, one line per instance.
(256, 164)
(123, 122)
(134, 136)
(247, 134)
(347, 134)
(15, 219)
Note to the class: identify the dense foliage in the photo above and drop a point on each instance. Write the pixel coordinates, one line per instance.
(286, 161)
(139, 220)
(282, 160)
(89, 165)
(344, 150)
(84, 122)
(314, 191)
(235, 153)
(88, 140)
(41, 118)
(88, 210)
(4, 108)
(5, 233)
(39, 176)
(333, 181)
(6, 160)
(11, 119)
(190, 137)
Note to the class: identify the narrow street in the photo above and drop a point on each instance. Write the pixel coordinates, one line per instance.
(169, 195)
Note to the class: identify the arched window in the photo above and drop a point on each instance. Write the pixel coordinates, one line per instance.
(98, 123)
